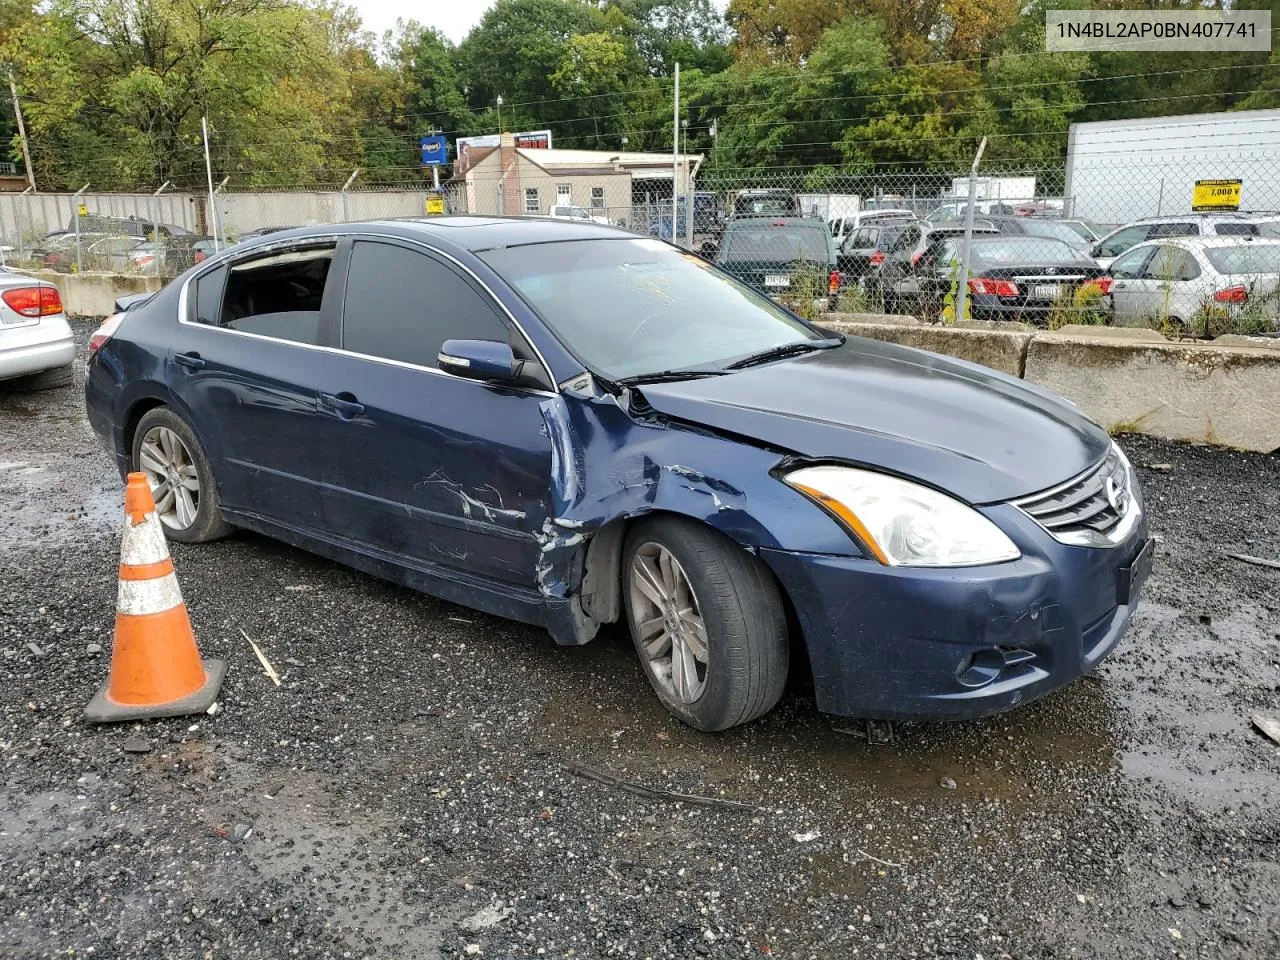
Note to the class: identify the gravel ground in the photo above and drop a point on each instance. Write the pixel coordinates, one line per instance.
(407, 791)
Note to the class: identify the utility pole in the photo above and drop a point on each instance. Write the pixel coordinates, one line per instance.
(675, 154)
(22, 132)
(208, 171)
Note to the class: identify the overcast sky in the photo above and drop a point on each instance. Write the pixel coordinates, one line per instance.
(454, 17)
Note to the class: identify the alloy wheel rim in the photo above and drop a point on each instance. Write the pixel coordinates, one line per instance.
(668, 623)
(171, 473)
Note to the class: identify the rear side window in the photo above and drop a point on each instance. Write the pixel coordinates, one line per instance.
(1174, 230)
(864, 238)
(277, 295)
(1171, 263)
(1236, 229)
(402, 305)
(1259, 258)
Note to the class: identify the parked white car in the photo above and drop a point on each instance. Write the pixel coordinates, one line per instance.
(1178, 278)
(1221, 224)
(844, 226)
(562, 212)
(36, 345)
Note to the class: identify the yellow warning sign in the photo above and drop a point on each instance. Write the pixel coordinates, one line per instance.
(84, 210)
(435, 206)
(1216, 195)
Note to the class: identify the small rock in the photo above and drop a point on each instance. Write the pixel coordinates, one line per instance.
(273, 791)
(1162, 467)
(136, 745)
(35, 649)
(241, 832)
(947, 783)
(294, 663)
(1176, 901)
(472, 950)
(1175, 933)
(93, 649)
(806, 837)
(709, 936)
(487, 917)
(215, 708)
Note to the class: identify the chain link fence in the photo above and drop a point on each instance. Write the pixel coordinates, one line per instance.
(1105, 240)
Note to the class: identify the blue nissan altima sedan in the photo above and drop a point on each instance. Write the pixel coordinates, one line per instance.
(569, 425)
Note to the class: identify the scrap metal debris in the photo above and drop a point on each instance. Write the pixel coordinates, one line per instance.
(1267, 726)
(654, 793)
(487, 917)
(262, 659)
(1256, 561)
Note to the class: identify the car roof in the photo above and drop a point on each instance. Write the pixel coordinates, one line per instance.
(774, 220)
(1235, 240)
(469, 233)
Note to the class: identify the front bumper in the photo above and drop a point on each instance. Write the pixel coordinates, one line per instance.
(34, 347)
(902, 643)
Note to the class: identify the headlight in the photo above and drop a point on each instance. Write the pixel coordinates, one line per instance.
(902, 523)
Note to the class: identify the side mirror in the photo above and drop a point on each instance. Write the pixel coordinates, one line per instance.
(479, 359)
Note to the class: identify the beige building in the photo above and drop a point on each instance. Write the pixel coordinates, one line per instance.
(518, 181)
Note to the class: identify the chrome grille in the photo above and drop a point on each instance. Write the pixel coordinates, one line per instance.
(1087, 509)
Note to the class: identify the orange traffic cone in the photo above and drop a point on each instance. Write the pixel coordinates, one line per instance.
(156, 670)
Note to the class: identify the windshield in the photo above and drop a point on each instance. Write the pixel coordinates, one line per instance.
(776, 242)
(629, 307)
(1025, 250)
(1251, 258)
(1051, 229)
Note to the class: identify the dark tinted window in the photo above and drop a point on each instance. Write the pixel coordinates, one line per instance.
(208, 298)
(864, 238)
(402, 305)
(1236, 229)
(907, 239)
(277, 295)
(1174, 230)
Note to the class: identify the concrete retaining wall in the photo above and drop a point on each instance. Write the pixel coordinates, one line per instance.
(94, 294)
(1137, 381)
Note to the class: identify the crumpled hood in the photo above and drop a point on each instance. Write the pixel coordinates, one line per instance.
(962, 428)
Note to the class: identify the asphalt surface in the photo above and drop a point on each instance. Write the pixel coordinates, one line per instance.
(408, 791)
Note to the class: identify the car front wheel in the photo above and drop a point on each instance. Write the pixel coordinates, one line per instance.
(166, 450)
(707, 621)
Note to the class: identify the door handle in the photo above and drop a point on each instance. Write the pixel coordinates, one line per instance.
(344, 404)
(192, 361)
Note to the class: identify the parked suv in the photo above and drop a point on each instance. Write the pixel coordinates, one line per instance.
(1183, 225)
(773, 253)
(897, 281)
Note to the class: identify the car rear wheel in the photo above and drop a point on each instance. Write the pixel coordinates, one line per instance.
(707, 621)
(166, 450)
(44, 380)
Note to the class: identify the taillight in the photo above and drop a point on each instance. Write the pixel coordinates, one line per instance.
(833, 282)
(143, 261)
(877, 258)
(915, 257)
(33, 301)
(995, 288)
(1103, 284)
(104, 332)
(1232, 295)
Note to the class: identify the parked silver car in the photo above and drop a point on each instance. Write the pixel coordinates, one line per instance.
(36, 345)
(1184, 225)
(1182, 279)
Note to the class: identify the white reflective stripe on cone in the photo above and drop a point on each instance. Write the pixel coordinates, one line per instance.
(143, 542)
(140, 597)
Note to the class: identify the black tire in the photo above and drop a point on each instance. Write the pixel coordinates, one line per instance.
(208, 523)
(44, 380)
(745, 624)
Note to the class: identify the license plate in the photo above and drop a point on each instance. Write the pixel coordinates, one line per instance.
(1046, 291)
(1133, 576)
(777, 280)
